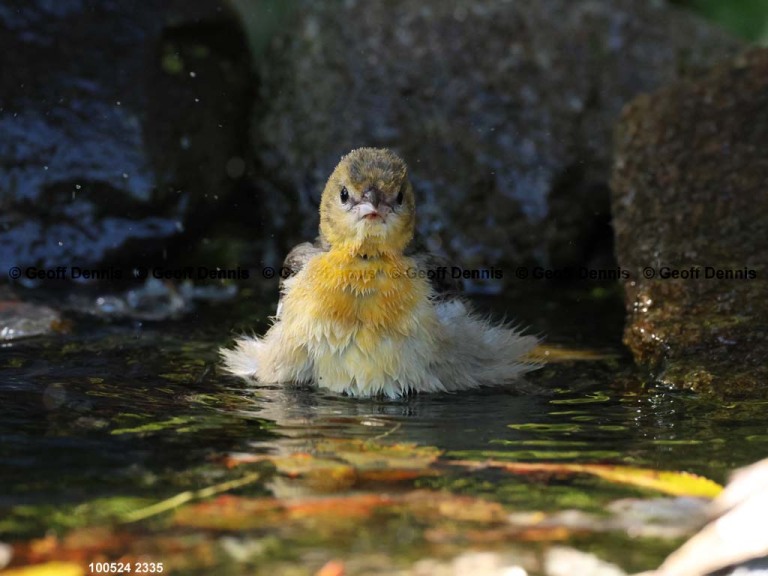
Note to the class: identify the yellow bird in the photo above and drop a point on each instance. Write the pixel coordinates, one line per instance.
(360, 317)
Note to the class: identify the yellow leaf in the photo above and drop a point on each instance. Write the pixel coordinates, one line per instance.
(551, 354)
(668, 482)
(48, 569)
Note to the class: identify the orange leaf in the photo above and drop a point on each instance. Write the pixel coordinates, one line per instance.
(332, 568)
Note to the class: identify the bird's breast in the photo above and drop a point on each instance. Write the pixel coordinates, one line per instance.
(368, 326)
(381, 295)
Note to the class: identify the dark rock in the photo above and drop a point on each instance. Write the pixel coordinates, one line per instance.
(118, 123)
(691, 192)
(503, 110)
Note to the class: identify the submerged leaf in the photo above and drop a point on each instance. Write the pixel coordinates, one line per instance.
(332, 568)
(370, 455)
(668, 482)
(48, 569)
(339, 464)
(184, 497)
(232, 513)
(551, 354)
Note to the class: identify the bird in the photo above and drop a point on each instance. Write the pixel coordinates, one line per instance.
(358, 314)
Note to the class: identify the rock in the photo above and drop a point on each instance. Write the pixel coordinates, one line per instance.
(22, 320)
(476, 563)
(154, 300)
(689, 193)
(735, 541)
(503, 110)
(119, 125)
(564, 561)
(6, 553)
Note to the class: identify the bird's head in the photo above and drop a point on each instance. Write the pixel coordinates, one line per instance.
(368, 204)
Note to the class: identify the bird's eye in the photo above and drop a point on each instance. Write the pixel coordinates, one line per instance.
(344, 195)
(399, 198)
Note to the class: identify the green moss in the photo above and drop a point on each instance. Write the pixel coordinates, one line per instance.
(747, 19)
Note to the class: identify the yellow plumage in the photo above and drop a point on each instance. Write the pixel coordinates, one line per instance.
(356, 319)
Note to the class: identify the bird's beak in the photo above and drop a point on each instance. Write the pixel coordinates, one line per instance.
(372, 206)
(367, 210)
(372, 195)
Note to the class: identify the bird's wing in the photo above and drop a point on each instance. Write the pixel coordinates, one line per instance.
(438, 270)
(296, 260)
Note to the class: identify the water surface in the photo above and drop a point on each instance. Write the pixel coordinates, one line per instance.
(127, 413)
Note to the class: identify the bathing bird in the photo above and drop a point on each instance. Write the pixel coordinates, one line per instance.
(358, 314)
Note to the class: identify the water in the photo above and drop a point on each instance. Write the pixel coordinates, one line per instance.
(112, 417)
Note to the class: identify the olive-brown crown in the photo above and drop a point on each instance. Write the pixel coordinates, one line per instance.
(368, 203)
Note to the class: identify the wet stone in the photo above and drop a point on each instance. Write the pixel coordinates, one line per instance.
(23, 320)
(503, 111)
(118, 122)
(690, 200)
